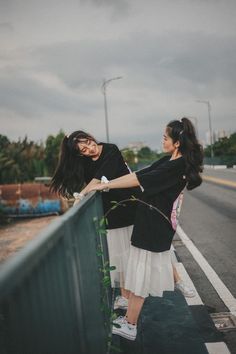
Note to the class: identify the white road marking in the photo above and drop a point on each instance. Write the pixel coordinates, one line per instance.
(216, 348)
(223, 292)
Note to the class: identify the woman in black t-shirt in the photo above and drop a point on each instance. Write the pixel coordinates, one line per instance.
(149, 267)
(82, 164)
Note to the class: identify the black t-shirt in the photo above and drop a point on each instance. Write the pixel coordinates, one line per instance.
(112, 165)
(162, 182)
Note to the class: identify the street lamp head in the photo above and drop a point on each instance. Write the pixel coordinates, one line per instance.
(106, 82)
(112, 79)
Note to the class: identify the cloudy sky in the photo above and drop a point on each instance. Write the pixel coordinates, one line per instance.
(55, 54)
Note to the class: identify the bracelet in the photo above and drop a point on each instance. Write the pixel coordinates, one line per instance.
(105, 181)
(78, 195)
(106, 187)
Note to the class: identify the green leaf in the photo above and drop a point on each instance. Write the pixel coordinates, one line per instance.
(102, 232)
(105, 271)
(106, 311)
(107, 284)
(106, 279)
(101, 222)
(113, 316)
(112, 268)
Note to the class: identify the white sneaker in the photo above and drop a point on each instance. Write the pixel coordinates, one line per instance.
(125, 330)
(185, 290)
(121, 303)
(120, 320)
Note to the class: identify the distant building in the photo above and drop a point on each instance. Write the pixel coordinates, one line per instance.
(208, 138)
(217, 135)
(135, 146)
(221, 134)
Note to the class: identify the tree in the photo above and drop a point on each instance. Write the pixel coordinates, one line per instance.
(146, 154)
(20, 161)
(52, 151)
(4, 142)
(128, 156)
(223, 147)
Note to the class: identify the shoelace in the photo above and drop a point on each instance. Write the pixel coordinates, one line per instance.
(120, 320)
(122, 300)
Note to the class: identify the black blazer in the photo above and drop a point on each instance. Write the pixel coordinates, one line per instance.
(162, 182)
(112, 165)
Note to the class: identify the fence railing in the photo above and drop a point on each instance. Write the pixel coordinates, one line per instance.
(50, 291)
(229, 161)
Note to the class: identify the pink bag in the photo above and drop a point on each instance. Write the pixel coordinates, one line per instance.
(176, 210)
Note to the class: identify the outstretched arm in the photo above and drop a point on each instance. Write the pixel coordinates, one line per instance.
(127, 181)
(92, 183)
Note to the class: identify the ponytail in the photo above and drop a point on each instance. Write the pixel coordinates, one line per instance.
(184, 132)
(69, 174)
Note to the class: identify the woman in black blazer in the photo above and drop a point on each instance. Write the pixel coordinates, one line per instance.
(149, 267)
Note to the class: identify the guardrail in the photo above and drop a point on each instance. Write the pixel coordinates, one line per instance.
(228, 161)
(50, 291)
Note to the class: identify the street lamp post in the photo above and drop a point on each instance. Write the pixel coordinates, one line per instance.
(104, 86)
(210, 124)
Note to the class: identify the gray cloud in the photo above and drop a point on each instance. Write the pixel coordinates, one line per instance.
(170, 53)
(193, 57)
(119, 8)
(6, 27)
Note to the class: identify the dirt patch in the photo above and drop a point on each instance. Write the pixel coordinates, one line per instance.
(15, 235)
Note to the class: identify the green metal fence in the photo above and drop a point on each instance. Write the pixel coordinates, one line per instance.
(50, 291)
(229, 161)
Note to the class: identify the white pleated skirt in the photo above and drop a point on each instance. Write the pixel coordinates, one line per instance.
(149, 273)
(118, 242)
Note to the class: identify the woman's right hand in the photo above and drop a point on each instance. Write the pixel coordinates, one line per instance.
(76, 202)
(78, 197)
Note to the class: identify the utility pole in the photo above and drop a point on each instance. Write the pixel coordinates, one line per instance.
(210, 124)
(104, 86)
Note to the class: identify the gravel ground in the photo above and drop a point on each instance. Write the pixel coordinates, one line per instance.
(15, 235)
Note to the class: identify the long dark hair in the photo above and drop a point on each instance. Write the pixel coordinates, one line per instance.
(69, 174)
(184, 132)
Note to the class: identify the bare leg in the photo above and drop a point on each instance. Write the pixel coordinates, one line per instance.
(179, 284)
(125, 293)
(176, 274)
(134, 307)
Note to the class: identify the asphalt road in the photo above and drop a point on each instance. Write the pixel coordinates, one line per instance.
(208, 217)
(229, 173)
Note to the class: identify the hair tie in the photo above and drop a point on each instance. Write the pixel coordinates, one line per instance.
(67, 136)
(181, 132)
